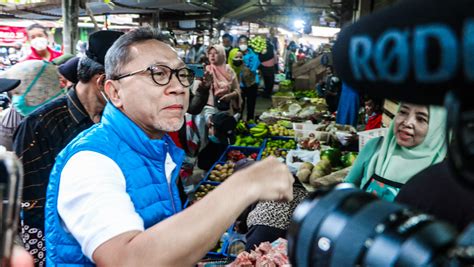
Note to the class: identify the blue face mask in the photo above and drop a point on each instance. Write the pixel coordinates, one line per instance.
(19, 101)
(214, 139)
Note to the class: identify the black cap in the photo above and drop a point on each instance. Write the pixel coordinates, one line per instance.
(99, 44)
(8, 84)
(224, 123)
(69, 69)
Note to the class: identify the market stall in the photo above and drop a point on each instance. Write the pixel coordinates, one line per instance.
(317, 155)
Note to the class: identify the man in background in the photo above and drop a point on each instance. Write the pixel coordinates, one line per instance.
(38, 37)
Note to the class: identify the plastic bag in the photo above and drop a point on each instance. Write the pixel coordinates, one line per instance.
(305, 155)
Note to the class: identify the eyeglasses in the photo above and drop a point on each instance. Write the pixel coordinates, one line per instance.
(162, 75)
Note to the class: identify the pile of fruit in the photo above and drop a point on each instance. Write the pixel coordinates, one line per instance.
(274, 151)
(236, 155)
(337, 159)
(348, 159)
(306, 93)
(258, 44)
(281, 143)
(279, 130)
(309, 173)
(260, 130)
(248, 141)
(309, 143)
(241, 128)
(333, 155)
(203, 190)
(221, 172)
(286, 85)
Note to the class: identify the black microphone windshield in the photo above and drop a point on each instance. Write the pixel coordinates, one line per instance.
(413, 51)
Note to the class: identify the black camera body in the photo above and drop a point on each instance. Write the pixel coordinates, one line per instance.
(418, 51)
(344, 226)
(11, 184)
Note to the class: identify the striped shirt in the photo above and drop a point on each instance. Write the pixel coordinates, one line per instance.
(38, 140)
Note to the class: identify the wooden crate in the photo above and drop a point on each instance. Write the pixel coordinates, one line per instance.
(390, 109)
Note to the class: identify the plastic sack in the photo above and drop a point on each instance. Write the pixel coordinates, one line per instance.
(305, 155)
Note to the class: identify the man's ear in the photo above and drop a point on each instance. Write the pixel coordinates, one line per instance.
(100, 87)
(112, 89)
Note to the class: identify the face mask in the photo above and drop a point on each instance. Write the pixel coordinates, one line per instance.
(214, 139)
(19, 101)
(243, 47)
(39, 43)
(237, 62)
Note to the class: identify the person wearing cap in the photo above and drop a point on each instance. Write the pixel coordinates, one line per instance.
(221, 134)
(68, 71)
(39, 85)
(112, 197)
(38, 37)
(65, 83)
(45, 132)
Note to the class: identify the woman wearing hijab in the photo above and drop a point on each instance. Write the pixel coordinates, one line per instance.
(415, 140)
(225, 94)
(39, 85)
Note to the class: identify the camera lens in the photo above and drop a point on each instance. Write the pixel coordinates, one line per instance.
(348, 227)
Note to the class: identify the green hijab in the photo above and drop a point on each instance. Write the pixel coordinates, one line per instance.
(232, 54)
(396, 163)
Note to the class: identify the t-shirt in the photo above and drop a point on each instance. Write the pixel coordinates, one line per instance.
(374, 122)
(93, 202)
(52, 55)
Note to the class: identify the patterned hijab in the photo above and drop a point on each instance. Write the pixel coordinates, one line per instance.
(46, 83)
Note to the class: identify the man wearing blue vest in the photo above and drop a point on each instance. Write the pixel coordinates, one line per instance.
(112, 197)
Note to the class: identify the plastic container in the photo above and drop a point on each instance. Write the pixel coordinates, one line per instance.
(247, 150)
(365, 136)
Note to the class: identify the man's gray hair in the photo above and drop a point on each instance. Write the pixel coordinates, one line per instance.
(119, 53)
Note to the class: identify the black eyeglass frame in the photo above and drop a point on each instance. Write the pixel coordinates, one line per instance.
(150, 69)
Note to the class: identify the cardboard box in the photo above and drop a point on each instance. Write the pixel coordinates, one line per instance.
(302, 83)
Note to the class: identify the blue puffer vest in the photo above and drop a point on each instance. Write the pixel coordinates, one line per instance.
(141, 160)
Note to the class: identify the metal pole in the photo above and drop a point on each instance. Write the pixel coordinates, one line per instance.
(70, 10)
(155, 20)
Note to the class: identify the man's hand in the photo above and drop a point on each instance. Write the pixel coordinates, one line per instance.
(268, 179)
(21, 258)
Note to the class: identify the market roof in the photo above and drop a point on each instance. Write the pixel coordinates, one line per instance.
(51, 9)
(283, 11)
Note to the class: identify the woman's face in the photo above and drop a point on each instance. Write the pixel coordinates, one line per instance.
(238, 55)
(212, 56)
(411, 125)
